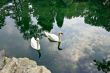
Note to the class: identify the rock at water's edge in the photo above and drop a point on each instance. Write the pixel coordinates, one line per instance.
(22, 65)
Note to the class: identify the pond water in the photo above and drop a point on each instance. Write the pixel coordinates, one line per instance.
(85, 26)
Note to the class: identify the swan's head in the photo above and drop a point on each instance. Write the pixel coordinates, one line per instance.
(37, 39)
(60, 33)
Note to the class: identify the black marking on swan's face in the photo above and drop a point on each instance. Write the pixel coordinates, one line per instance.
(60, 33)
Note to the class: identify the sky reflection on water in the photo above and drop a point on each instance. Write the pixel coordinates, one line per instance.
(81, 44)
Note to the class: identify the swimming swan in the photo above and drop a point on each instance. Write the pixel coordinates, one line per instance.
(36, 45)
(54, 38)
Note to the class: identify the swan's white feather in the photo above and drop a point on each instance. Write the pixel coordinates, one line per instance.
(35, 44)
(52, 37)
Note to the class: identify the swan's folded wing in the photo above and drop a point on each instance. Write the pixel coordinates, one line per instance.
(53, 37)
(33, 43)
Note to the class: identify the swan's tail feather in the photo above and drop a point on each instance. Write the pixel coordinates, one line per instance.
(46, 33)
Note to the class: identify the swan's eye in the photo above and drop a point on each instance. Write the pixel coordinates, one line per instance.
(61, 33)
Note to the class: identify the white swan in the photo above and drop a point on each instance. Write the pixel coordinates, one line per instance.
(36, 45)
(53, 37)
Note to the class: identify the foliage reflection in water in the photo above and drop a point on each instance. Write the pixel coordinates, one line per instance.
(26, 13)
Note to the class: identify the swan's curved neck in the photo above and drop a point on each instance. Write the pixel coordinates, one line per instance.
(37, 41)
(59, 36)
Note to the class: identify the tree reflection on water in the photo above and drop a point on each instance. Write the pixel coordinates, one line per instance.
(103, 65)
(26, 12)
